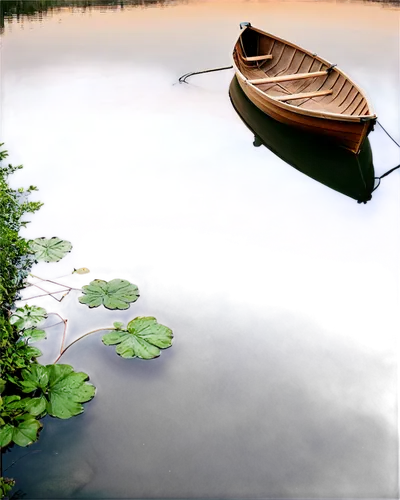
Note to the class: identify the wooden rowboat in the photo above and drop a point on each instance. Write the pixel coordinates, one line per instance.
(331, 165)
(301, 89)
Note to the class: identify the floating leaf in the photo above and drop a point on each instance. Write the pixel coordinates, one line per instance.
(28, 316)
(63, 389)
(67, 390)
(34, 335)
(114, 294)
(143, 339)
(81, 270)
(50, 250)
(23, 432)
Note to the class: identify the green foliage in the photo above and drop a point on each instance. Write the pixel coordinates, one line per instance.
(33, 335)
(18, 425)
(16, 258)
(62, 389)
(115, 294)
(6, 485)
(50, 250)
(28, 317)
(55, 390)
(143, 338)
(14, 355)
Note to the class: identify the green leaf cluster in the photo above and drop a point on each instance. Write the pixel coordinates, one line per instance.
(29, 391)
(16, 258)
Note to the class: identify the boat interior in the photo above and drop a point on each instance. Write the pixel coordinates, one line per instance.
(288, 74)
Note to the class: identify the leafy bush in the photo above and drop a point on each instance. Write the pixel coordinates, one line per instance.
(16, 258)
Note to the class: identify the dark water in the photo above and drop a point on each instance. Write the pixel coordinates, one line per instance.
(247, 403)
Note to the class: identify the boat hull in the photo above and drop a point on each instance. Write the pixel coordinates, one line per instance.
(349, 135)
(331, 165)
(301, 89)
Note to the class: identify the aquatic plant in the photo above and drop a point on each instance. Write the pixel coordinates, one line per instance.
(115, 294)
(55, 389)
(143, 338)
(61, 390)
(50, 249)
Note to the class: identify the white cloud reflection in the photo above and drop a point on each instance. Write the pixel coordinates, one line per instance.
(129, 147)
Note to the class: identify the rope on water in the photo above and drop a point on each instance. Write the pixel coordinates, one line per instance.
(182, 79)
(387, 133)
(392, 169)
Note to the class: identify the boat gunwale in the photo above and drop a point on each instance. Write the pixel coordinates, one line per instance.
(296, 109)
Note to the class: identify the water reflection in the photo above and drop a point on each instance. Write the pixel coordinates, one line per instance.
(17, 9)
(279, 415)
(181, 150)
(341, 170)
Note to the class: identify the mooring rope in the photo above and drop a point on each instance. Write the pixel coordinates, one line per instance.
(392, 169)
(182, 79)
(387, 133)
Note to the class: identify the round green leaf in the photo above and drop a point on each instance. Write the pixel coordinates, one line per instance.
(63, 390)
(114, 294)
(34, 335)
(67, 390)
(26, 431)
(143, 339)
(50, 250)
(28, 317)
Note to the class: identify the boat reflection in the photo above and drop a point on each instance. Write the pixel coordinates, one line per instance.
(349, 174)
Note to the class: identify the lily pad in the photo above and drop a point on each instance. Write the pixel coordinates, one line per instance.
(81, 270)
(28, 316)
(114, 294)
(34, 335)
(23, 432)
(144, 338)
(63, 389)
(50, 249)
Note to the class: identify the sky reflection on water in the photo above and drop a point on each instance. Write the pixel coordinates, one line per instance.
(90, 108)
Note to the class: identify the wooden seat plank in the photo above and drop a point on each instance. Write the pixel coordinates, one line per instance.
(257, 58)
(302, 95)
(286, 78)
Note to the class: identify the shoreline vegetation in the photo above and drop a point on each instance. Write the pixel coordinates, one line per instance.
(29, 390)
(11, 10)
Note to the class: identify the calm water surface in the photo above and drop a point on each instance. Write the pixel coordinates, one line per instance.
(90, 107)
(247, 403)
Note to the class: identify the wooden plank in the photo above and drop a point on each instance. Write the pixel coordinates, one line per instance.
(257, 58)
(302, 95)
(286, 78)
